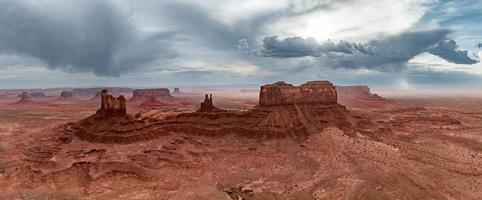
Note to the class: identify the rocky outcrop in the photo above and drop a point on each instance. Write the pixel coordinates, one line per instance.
(111, 105)
(207, 105)
(287, 111)
(313, 92)
(24, 98)
(360, 92)
(66, 95)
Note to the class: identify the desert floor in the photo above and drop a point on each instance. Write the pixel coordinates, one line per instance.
(404, 148)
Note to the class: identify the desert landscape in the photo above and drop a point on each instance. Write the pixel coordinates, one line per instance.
(240, 100)
(313, 141)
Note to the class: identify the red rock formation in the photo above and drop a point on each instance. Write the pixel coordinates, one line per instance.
(160, 94)
(207, 105)
(286, 111)
(356, 92)
(145, 94)
(111, 105)
(313, 92)
(24, 98)
(65, 95)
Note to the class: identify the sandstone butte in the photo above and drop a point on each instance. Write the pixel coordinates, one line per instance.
(284, 111)
(24, 98)
(65, 95)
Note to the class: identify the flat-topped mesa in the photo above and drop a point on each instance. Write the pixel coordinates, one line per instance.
(144, 94)
(207, 105)
(356, 92)
(66, 94)
(38, 95)
(312, 92)
(111, 105)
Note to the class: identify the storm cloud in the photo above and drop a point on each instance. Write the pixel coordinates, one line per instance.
(80, 36)
(388, 51)
(449, 51)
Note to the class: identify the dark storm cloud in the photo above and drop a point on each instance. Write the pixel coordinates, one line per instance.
(390, 51)
(449, 51)
(85, 36)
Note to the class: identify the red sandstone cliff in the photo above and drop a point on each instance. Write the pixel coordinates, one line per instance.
(312, 92)
(111, 105)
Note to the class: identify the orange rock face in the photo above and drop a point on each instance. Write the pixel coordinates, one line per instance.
(313, 92)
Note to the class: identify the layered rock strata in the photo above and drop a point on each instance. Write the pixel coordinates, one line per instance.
(286, 111)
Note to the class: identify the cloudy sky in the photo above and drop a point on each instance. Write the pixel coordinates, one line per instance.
(385, 43)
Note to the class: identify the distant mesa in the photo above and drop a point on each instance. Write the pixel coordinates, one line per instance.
(148, 96)
(3, 96)
(359, 92)
(24, 98)
(66, 95)
(145, 94)
(38, 95)
(89, 92)
(284, 111)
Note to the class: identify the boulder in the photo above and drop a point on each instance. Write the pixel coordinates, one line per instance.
(312, 92)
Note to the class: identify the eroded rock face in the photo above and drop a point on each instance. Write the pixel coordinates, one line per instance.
(312, 92)
(111, 105)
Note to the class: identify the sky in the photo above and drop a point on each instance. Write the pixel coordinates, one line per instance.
(402, 44)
